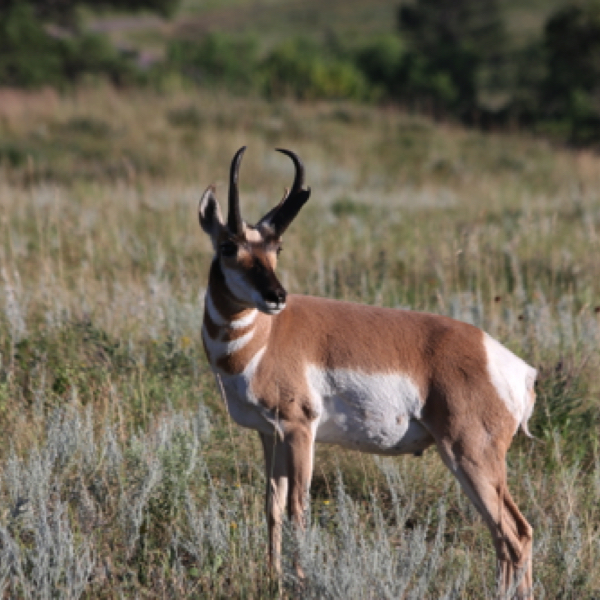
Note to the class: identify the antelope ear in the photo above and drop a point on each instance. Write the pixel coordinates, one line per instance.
(209, 215)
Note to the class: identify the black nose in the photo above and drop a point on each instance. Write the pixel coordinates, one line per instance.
(277, 295)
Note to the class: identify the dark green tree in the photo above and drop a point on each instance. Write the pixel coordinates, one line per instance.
(381, 60)
(63, 10)
(570, 92)
(216, 58)
(30, 56)
(456, 50)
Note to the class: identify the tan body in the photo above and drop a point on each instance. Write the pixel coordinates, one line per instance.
(373, 379)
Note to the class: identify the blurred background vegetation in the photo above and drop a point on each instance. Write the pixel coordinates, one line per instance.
(120, 473)
(490, 63)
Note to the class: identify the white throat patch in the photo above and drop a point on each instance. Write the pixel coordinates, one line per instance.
(220, 348)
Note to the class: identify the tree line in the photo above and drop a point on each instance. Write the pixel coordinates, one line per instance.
(452, 59)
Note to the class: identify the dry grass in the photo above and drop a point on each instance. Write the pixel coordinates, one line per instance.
(103, 267)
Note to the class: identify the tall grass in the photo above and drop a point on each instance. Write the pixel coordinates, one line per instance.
(119, 472)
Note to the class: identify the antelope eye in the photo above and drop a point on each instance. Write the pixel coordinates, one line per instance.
(228, 249)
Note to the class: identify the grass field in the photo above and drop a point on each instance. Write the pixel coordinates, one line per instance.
(120, 474)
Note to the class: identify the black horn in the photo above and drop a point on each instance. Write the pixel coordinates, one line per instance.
(284, 213)
(234, 218)
(299, 175)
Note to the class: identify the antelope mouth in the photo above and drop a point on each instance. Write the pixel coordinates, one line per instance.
(271, 308)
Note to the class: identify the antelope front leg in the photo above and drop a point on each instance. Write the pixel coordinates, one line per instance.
(276, 494)
(300, 461)
(288, 475)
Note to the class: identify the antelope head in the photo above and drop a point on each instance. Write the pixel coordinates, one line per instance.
(246, 254)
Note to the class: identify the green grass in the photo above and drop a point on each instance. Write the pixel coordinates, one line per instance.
(103, 380)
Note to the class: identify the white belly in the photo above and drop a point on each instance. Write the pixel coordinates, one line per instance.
(377, 413)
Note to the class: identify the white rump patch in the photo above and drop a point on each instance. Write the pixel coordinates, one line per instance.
(378, 413)
(513, 379)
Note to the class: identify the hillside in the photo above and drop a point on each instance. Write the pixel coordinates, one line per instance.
(273, 21)
(120, 473)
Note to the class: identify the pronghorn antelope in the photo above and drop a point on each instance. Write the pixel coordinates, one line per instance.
(301, 370)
